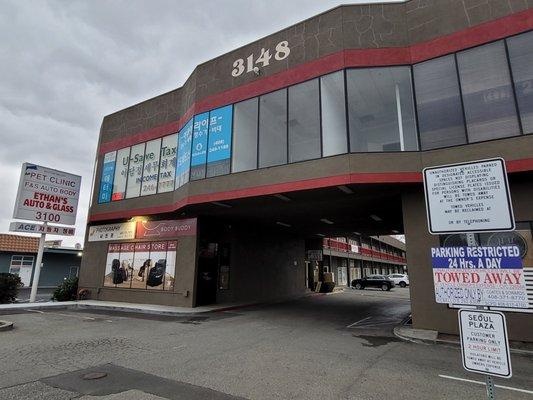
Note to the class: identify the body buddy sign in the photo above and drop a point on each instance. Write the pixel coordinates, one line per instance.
(481, 276)
(47, 195)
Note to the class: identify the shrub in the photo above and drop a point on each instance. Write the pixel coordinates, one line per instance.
(9, 287)
(67, 290)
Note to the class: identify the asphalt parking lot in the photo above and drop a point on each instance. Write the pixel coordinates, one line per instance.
(337, 346)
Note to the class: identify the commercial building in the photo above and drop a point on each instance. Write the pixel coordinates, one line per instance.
(18, 254)
(319, 130)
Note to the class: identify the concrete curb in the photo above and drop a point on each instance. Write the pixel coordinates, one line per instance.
(428, 337)
(6, 326)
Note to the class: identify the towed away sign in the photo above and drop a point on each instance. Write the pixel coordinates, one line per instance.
(481, 276)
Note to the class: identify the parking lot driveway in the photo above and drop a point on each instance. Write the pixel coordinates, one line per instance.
(335, 346)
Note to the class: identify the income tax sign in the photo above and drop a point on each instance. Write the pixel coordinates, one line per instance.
(47, 195)
(481, 276)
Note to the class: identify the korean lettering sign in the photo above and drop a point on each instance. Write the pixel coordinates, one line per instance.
(167, 163)
(106, 181)
(199, 146)
(47, 195)
(219, 146)
(483, 276)
(121, 174)
(184, 154)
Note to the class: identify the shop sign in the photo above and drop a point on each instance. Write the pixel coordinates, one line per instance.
(164, 229)
(481, 276)
(184, 155)
(122, 231)
(354, 248)
(47, 195)
(106, 181)
(484, 342)
(314, 255)
(27, 227)
(468, 197)
(220, 123)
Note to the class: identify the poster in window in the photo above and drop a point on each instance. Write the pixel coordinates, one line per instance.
(121, 174)
(157, 273)
(122, 279)
(199, 146)
(167, 163)
(171, 265)
(135, 171)
(112, 264)
(141, 265)
(219, 145)
(150, 167)
(184, 155)
(106, 180)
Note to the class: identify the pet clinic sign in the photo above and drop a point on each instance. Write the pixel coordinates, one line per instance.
(47, 195)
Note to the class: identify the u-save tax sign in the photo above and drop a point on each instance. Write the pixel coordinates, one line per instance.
(47, 195)
(481, 276)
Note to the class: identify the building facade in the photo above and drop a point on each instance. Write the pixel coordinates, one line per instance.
(318, 130)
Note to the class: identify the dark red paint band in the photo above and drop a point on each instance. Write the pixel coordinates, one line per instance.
(346, 179)
(470, 37)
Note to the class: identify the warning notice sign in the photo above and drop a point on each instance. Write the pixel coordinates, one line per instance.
(481, 276)
(47, 195)
(484, 342)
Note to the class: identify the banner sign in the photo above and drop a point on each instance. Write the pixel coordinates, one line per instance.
(199, 141)
(468, 197)
(165, 229)
(47, 195)
(38, 228)
(220, 123)
(151, 167)
(167, 164)
(484, 342)
(121, 231)
(314, 255)
(184, 155)
(106, 181)
(481, 276)
(121, 174)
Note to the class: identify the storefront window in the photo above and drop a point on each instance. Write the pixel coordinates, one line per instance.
(151, 167)
(199, 146)
(333, 105)
(521, 57)
(219, 142)
(381, 110)
(245, 135)
(184, 155)
(121, 174)
(273, 129)
(304, 121)
(167, 164)
(440, 113)
(487, 93)
(135, 171)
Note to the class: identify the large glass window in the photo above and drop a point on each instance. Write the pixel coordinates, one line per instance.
(304, 121)
(381, 110)
(487, 93)
(521, 57)
(121, 174)
(219, 143)
(167, 163)
(245, 135)
(199, 146)
(135, 171)
(151, 167)
(184, 155)
(334, 138)
(438, 99)
(273, 128)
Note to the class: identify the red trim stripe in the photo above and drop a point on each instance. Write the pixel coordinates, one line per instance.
(483, 33)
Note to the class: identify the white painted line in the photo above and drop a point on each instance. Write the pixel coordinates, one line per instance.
(483, 383)
(357, 322)
(37, 311)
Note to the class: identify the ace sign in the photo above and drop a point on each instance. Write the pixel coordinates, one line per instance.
(47, 195)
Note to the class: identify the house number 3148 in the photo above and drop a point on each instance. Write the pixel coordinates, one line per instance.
(281, 53)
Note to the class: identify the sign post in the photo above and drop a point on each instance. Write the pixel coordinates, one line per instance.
(45, 195)
(469, 198)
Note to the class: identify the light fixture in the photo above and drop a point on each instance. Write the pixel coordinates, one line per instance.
(80, 254)
(326, 221)
(281, 197)
(220, 204)
(345, 189)
(283, 224)
(321, 235)
(375, 217)
(395, 231)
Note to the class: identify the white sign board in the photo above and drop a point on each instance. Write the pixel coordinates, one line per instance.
(468, 197)
(47, 195)
(122, 231)
(482, 276)
(28, 227)
(484, 342)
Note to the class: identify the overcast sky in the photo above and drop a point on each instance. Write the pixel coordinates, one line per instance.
(64, 65)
